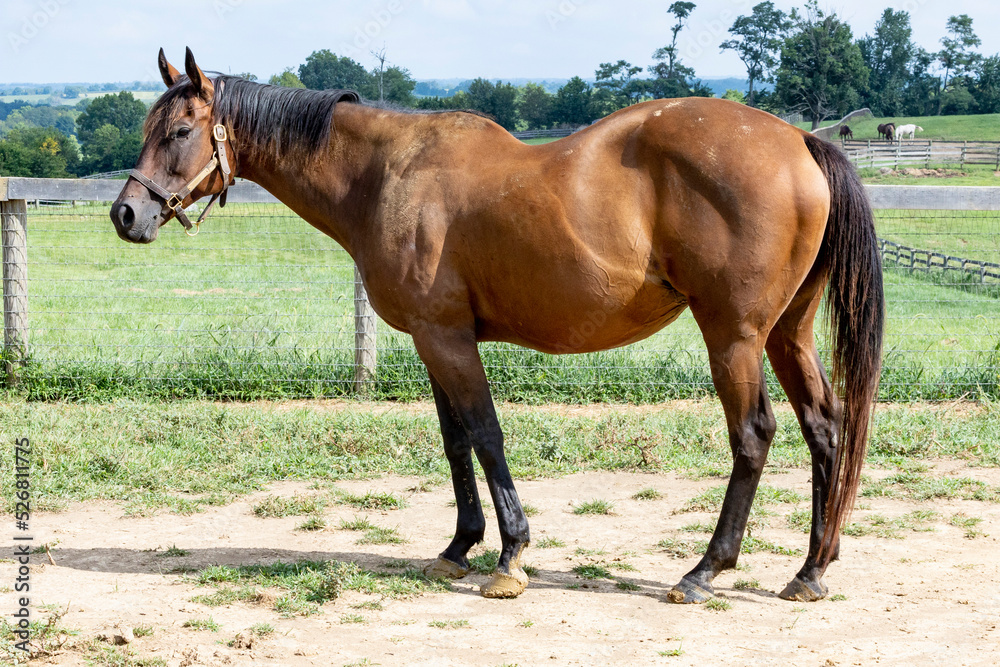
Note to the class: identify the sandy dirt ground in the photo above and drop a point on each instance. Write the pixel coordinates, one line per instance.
(930, 598)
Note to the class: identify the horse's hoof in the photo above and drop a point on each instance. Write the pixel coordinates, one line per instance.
(442, 568)
(804, 591)
(504, 585)
(687, 593)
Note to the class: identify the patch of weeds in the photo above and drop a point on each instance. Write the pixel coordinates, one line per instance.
(357, 523)
(460, 623)
(373, 500)
(397, 564)
(348, 619)
(752, 545)
(114, 656)
(573, 587)
(699, 528)
(262, 629)
(226, 595)
(623, 585)
(682, 548)
(530, 510)
(968, 524)
(718, 604)
(281, 506)
(485, 562)
(623, 566)
(648, 493)
(201, 624)
(526, 623)
(581, 551)
(530, 570)
(746, 584)
(920, 487)
(884, 527)
(837, 597)
(47, 637)
(175, 552)
(378, 535)
(592, 571)
(711, 499)
(672, 653)
(143, 631)
(425, 485)
(550, 543)
(311, 524)
(363, 662)
(800, 520)
(596, 506)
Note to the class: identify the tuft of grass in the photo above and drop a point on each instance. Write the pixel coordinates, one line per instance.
(752, 545)
(460, 623)
(485, 562)
(377, 535)
(800, 520)
(143, 631)
(313, 523)
(711, 499)
(623, 585)
(592, 571)
(359, 523)
(746, 584)
(596, 506)
(623, 566)
(648, 493)
(202, 624)
(530, 510)
(837, 597)
(550, 543)
(699, 528)
(348, 619)
(968, 524)
(718, 604)
(372, 500)
(280, 506)
(682, 548)
(262, 629)
(581, 551)
(175, 552)
(227, 595)
(526, 623)
(371, 605)
(530, 570)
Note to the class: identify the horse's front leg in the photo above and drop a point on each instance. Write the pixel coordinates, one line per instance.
(452, 358)
(471, 525)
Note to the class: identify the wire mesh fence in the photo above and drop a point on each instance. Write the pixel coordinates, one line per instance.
(261, 305)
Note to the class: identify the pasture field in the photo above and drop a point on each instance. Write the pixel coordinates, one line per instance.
(260, 306)
(293, 533)
(971, 175)
(979, 127)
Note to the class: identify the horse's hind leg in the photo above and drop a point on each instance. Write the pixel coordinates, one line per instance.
(792, 350)
(471, 525)
(738, 374)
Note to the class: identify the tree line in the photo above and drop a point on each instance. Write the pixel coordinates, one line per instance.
(805, 60)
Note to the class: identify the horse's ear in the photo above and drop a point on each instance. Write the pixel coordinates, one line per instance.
(167, 71)
(202, 84)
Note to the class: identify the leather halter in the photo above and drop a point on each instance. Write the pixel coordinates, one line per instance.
(175, 200)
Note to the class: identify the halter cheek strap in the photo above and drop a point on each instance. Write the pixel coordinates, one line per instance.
(175, 200)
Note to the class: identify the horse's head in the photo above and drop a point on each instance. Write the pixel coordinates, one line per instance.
(185, 156)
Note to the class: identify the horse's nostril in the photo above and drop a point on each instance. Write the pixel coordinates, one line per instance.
(126, 216)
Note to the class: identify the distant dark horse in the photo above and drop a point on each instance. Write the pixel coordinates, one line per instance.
(845, 132)
(887, 130)
(462, 234)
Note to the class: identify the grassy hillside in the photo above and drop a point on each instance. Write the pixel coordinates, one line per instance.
(982, 127)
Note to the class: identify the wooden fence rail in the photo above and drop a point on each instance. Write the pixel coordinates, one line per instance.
(910, 153)
(15, 193)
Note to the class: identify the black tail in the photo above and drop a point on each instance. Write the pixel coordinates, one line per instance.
(856, 306)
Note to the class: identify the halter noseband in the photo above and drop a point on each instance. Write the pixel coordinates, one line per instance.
(175, 200)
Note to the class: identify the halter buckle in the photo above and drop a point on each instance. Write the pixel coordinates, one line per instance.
(220, 133)
(174, 202)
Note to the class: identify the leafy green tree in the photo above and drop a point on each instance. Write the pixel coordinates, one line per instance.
(498, 100)
(618, 80)
(957, 57)
(887, 54)
(397, 86)
(821, 70)
(668, 57)
(288, 78)
(324, 70)
(987, 85)
(921, 91)
(734, 96)
(122, 111)
(572, 103)
(757, 41)
(38, 152)
(535, 106)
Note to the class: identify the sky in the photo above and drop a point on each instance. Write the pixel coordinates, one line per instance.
(59, 41)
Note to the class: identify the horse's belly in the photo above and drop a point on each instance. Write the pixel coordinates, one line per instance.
(588, 328)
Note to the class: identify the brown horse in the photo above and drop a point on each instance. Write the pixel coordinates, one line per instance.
(845, 132)
(463, 234)
(886, 131)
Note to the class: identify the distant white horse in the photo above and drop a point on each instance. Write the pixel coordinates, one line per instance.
(907, 129)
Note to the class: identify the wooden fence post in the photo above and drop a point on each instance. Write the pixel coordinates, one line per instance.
(14, 238)
(365, 348)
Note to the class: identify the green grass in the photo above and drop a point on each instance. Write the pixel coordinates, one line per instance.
(373, 500)
(718, 604)
(278, 506)
(647, 494)
(980, 127)
(175, 552)
(378, 535)
(485, 562)
(202, 624)
(359, 523)
(627, 586)
(746, 584)
(596, 506)
(313, 523)
(550, 543)
(969, 524)
(444, 625)
(592, 571)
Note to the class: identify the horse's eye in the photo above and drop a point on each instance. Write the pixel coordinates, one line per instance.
(183, 132)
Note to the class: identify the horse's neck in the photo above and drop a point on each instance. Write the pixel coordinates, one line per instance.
(336, 190)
